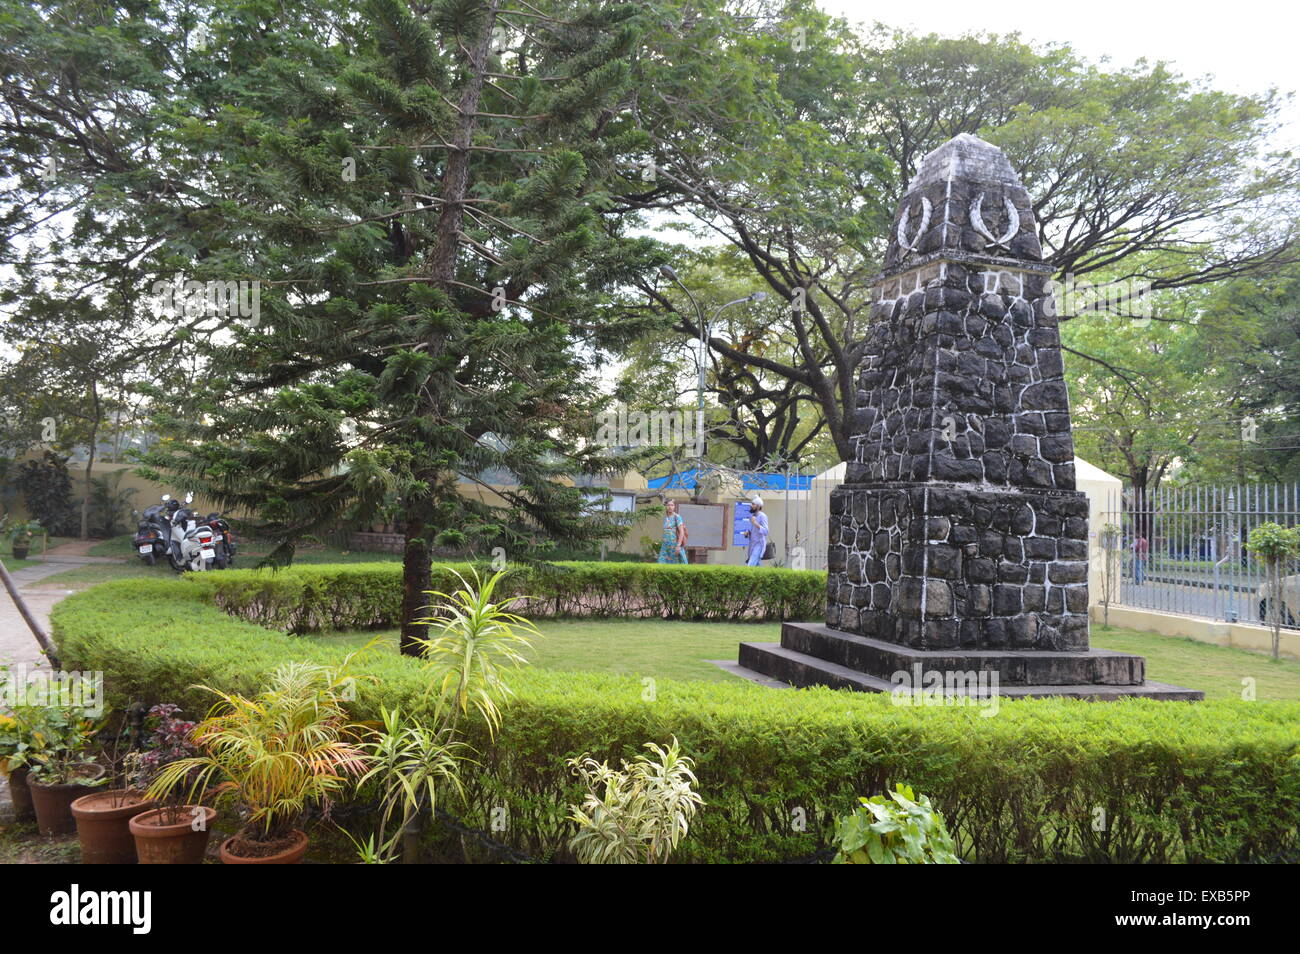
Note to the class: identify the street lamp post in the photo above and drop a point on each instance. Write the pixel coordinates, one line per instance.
(667, 272)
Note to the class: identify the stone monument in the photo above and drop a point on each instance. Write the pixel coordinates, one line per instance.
(958, 541)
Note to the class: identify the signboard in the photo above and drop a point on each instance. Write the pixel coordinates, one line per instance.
(706, 525)
(740, 524)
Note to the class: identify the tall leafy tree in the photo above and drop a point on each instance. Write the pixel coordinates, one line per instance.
(790, 137)
(427, 190)
(72, 371)
(755, 419)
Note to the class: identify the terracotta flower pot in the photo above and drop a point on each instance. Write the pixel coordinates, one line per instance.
(159, 842)
(103, 825)
(291, 855)
(21, 794)
(53, 803)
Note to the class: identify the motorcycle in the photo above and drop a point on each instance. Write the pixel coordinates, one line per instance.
(192, 545)
(223, 540)
(153, 532)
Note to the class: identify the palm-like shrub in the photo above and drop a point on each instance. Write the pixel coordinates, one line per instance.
(637, 815)
(472, 642)
(286, 748)
(409, 761)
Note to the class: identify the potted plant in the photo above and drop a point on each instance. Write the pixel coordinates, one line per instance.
(176, 832)
(57, 782)
(104, 818)
(288, 748)
(20, 538)
(36, 734)
(14, 767)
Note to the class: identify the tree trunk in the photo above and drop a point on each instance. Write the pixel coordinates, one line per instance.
(415, 576)
(415, 579)
(1276, 606)
(442, 271)
(90, 459)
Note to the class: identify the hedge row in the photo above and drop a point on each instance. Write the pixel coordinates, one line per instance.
(1207, 782)
(365, 596)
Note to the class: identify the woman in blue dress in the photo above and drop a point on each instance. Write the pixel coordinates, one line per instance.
(672, 549)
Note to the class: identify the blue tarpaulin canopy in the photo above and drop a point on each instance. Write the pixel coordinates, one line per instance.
(750, 481)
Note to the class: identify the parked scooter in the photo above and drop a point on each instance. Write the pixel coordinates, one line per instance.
(191, 544)
(223, 540)
(153, 532)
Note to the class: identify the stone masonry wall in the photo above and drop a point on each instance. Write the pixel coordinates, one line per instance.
(935, 567)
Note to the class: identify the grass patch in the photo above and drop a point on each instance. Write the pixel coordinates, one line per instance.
(38, 546)
(11, 564)
(659, 649)
(681, 650)
(1216, 670)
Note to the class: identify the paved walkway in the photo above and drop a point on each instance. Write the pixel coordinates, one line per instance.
(74, 552)
(17, 644)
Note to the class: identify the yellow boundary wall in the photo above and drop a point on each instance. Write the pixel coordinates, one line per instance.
(1258, 639)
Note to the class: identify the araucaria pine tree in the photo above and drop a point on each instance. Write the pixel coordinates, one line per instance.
(424, 201)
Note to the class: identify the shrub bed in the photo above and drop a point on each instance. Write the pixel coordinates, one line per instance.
(1164, 782)
(365, 596)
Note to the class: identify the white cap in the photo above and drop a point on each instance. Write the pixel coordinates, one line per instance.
(757, 501)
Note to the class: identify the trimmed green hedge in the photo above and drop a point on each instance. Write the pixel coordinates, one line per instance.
(1212, 781)
(366, 596)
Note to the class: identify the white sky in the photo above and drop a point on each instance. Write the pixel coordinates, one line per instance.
(1246, 45)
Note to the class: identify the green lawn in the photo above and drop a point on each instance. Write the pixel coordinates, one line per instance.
(678, 650)
(638, 647)
(661, 649)
(1216, 670)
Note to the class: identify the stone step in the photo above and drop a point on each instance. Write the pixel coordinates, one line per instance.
(1014, 667)
(764, 662)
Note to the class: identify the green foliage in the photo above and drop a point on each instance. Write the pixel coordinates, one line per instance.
(1273, 543)
(472, 642)
(110, 504)
(1177, 782)
(369, 596)
(21, 532)
(276, 753)
(50, 735)
(47, 488)
(637, 815)
(409, 762)
(796, 159)
(899, 830)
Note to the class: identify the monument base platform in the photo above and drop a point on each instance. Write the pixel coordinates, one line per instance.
(813, 654)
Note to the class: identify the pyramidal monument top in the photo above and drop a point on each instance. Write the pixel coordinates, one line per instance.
(966, 200)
